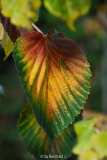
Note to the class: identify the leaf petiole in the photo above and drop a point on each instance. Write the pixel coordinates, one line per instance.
(36, 28)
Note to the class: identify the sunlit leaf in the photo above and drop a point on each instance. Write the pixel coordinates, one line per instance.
(68, 10)
(21, 13)
(56, 77)
(1, 32)
(36, 17)
(9, 34)
(90, 155)
(100, 144)
(37, 140)
(5, 42)
(84, 131)
(90, 145)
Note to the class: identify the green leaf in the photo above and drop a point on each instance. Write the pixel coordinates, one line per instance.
(37, 140)
(56, 77)
(68, 10)
(91, 145)
(21, 13)
(100, 144)
(84, 131)
(5, 42)
(35, 19)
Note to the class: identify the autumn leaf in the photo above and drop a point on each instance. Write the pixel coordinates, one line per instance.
(37, 140)
(56, 77)
(5, 42)
(68, 10)
(21, 13)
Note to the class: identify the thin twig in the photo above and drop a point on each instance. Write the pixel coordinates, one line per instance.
(37, 28)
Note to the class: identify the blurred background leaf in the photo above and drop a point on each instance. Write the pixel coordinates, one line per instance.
(68, 10)
(100, 144)
(101, 118)
(84, 131)
(88, 155)
(91, 143)
(21, 13)
(6, 42)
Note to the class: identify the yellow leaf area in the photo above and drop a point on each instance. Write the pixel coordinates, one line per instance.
(91, 144)
(38, 142)
(68, 10)
(84, 131)
(100, 144)
(21, 13)
(56, 77)
(5, 42)
(89, 155)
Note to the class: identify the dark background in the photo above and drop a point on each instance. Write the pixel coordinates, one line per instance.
(90, 37)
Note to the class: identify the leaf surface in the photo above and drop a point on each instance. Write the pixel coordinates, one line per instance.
(5, 42)
(90, 145)
(37, 140)
(56, 77)
(68, 10)
(89, 155)
(84, 131)
(21, 13)
(100, 144)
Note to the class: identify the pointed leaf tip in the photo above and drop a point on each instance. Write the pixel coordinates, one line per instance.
(51, 32)
(56, 77)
